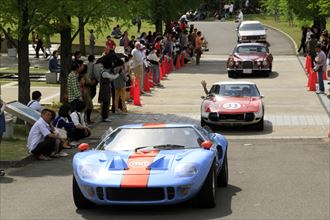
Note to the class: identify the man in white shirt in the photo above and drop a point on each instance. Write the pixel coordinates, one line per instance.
(35, 102)
(320, 67)
(137, 58)
(42, 141)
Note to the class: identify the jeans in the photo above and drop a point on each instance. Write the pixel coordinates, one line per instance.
(320, 78)
(155, 73)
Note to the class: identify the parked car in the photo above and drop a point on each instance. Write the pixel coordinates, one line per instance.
(248, 58)
(151, 164)
(233, 103)
(251, 31)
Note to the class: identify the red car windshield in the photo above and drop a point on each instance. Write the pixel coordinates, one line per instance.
(235, 90)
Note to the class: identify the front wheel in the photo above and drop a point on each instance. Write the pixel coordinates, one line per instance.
(260, 125)
(206, 197)
(223, 175)
(79, 199)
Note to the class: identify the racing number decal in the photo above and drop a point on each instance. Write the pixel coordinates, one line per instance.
(231, 105)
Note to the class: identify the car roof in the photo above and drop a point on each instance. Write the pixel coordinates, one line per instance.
(250, 22)
(234, 83)
(157, 125)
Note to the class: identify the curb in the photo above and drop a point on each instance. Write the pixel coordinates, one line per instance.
(17, 163)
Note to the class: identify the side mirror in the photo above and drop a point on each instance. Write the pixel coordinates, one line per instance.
(83, 147)
(207, 144)
(262, 96)
(202, 97)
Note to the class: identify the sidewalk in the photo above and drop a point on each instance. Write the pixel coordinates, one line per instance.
(322, 97)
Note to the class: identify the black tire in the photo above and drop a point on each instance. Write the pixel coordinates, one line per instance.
(230, 74)
(79, 199)
(206, 198)
(260, 125)
(266, 73)
(223, 176)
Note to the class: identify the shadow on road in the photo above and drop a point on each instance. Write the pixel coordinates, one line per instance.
(186, 210)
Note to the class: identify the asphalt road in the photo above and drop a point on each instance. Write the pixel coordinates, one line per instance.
(281, 173)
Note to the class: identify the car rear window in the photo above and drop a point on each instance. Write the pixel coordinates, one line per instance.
(251, 27)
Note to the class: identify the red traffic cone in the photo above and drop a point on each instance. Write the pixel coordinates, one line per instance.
(182, 58)
(146, 85)
(171, 66)
(308, 65)
(166, 69)
(161, 71)
(311, 81)
(137, 100)
(177, 63)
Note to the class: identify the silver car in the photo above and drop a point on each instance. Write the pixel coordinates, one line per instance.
(251, 32)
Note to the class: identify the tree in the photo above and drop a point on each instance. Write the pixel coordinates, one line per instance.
(23, 16)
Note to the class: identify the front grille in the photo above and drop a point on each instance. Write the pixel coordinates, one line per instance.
(239, 117)
(247, 65)
(249, 117)
(213, 116)
(170, 193)
(135, 194)
(252, 37)
(99, 193)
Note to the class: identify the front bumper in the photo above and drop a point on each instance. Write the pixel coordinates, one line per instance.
(241, 119)
(249, 71)
(165, 194)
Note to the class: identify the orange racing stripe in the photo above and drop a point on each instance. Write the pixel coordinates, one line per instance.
(137, 174)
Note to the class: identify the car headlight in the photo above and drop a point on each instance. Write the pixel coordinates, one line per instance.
(243, 37)
(88, 171)
(185, 170)
(231, 63)
(237, 63)
(265, 63)
(259, 63)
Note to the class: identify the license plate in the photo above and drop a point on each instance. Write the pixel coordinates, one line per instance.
(247, 70)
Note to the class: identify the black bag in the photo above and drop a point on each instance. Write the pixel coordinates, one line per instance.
(121, 41)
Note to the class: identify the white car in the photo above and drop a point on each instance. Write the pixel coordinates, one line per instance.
(251, 32)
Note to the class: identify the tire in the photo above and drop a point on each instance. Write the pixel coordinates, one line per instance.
(79, 199)
(206, 198)
(232, 74)
(260, 125)
(266, 73)
(223, 176)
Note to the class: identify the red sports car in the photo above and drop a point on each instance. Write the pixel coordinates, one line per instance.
(248, 58)
(233, 103)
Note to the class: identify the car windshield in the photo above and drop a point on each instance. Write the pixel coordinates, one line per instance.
(235, 90)
(251, 27)
(251, 49)
(162, 138)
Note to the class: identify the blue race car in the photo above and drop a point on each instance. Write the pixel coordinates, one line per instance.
(151, 164)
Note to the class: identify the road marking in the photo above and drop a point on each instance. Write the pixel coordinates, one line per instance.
(50, 97)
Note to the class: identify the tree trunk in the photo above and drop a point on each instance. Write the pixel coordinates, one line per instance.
(168, 26)
(23, 53)
(82, 46)
(320, 22)
(159, 25)
(66, 59)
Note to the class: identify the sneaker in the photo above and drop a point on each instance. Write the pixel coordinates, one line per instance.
(62, 154)
(74, 143)
(319, 92)
(43, 157)
(107, 120)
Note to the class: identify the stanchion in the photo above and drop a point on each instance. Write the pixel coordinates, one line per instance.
(161, 71)
(151, 78)
(131, 89)
(171, 65)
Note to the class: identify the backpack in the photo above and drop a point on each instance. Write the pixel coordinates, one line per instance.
(121, 41)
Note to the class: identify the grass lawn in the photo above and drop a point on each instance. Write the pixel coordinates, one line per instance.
(15, 147)
(294, 31)
(33, 70)
(101, 36)
(33, 83)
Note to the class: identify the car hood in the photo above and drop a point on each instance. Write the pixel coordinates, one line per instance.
(230, 105)
(252, 33)
(250, 56)
(137, 162)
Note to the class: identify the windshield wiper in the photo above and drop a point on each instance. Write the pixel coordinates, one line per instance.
(162, 146)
